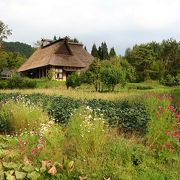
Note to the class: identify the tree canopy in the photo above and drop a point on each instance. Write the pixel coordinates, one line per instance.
(4, 31)
(155, 60)
(102, 51)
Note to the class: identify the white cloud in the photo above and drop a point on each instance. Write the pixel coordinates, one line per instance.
(92, 20)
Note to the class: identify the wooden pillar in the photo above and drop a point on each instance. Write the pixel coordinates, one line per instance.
(42, 72)
(39, 72)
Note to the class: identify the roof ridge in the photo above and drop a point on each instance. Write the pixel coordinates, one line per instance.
(68, 47)
(61, 39)
(74, 43)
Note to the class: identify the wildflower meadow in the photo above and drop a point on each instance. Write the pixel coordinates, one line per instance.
(55, 137)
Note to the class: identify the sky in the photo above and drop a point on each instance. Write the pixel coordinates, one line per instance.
(121, 23)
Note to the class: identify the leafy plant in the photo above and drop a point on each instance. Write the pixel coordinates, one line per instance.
(73, 80)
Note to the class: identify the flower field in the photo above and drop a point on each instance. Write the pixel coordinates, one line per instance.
(56, 137)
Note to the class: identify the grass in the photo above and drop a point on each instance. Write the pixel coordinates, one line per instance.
(16, 116)
(87, 91)
(46, 83)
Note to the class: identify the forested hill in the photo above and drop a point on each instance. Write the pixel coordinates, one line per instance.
(22, 48)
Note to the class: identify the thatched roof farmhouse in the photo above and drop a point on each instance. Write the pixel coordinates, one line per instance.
(60, 58)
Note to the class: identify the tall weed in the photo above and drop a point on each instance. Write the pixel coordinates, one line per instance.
(20, 116)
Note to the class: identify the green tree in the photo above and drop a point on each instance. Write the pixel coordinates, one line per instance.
(4, 31)
(75, 40)
(11, 60)
(15, 60)
(100, 52)
(3, 59)
(92, 75)
(112, 53)
(103, 51)
(94, 51)
(54, 38)
(171, 56)
(111, 75)
(105, 75)
(18, 47)
(128, 70)
(141, 57)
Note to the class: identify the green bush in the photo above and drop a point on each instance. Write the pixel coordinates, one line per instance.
(17, 82)
(170, 80)
(176, 97)
(73, 80)
(111, 75)
(3, 84)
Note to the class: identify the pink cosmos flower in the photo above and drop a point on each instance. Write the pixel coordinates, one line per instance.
(170, 107)
(168, 132)
(169, 145)
(32, 151)
(177, 115)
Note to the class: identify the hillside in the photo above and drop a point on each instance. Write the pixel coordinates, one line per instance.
(22, 48)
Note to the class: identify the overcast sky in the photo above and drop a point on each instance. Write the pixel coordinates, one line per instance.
(121, 23)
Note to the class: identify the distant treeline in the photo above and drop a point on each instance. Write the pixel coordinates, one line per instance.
(156, 61)
(19, 47)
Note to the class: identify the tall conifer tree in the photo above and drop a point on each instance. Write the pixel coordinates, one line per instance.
(94, 51)
(104, 51)
(112, 52)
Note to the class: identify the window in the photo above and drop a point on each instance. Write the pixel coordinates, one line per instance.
(59, 73)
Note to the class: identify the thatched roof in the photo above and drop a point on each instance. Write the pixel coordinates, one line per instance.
(59, 53)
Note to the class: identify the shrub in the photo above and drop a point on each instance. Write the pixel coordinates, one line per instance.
(18, 116)
(29, 83)
(17, 82)
(176, 97)
(73, 80)
(170, 80)
(3, 84)
(111, 75)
